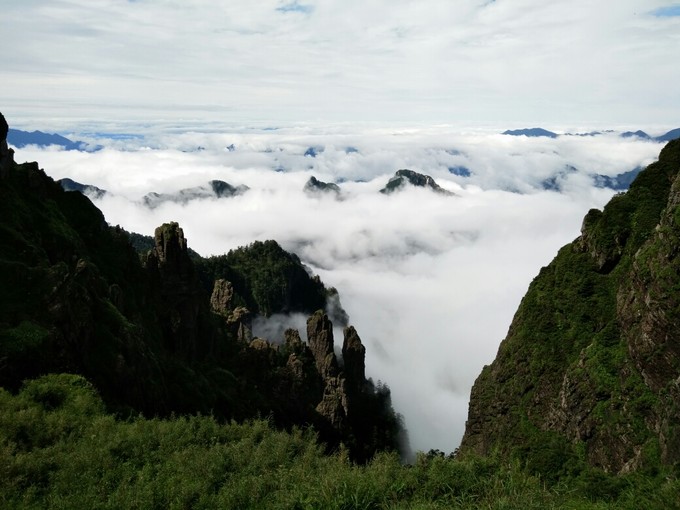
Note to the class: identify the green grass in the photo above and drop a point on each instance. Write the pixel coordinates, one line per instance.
(59, 449)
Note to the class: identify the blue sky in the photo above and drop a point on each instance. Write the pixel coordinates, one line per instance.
(511, 63)
(668, 11)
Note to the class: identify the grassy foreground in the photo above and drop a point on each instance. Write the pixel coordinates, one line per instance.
(60, 449)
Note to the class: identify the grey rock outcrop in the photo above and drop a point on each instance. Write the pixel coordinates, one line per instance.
(404, 177)
(316, 187)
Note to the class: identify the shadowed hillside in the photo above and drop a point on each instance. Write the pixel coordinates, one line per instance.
(166, 333)
(589, 369)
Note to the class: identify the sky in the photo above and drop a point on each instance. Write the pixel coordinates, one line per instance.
(431, 282)
(515, 63)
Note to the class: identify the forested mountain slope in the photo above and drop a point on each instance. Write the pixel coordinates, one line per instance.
(163, 333)
(590, 368)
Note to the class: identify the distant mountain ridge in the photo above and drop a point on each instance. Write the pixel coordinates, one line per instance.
(531, 132)
(540, 132)
(20, 139)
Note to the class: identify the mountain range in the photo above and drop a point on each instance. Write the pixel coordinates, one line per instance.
(19, 139)
(539, 132)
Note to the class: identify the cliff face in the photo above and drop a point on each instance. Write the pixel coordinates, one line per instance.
(590, 368)
(168, 332)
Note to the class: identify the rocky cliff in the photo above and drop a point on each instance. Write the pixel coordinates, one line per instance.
(169, 332)
(590, 368)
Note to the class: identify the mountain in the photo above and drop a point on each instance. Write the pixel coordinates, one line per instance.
(403, 178)
(162, 332)
(667, 137)
(20, 139)
(316, 187)
(214, 189)
(588, 372)
(86, 189)
(619, 182)
(530, 132)
(671, 135)
(638, 134)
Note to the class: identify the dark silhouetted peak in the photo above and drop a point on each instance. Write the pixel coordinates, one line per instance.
(316, 187)
(406, 177)
(86, 189)
(6, 156)
(4, 128)
(171, 246)
(224, 189)
(636, 134)
(353, 356)
(531, 132)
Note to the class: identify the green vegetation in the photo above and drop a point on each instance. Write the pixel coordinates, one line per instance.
(590, 360)
(266, 279)
(77, 296)
(59, 449)
(166, 408)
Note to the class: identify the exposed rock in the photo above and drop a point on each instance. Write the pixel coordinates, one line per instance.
(334, 405)
(354, 356)
(214, 189)
(240, 322)
(179, 288)
(292, 341)
(220, 300)
(405, 177)
(320, 340)
(316, 187)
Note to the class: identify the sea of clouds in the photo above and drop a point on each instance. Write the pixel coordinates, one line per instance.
(431, 282)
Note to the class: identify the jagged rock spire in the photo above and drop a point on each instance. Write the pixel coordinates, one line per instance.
(354, 356)
(320, 339)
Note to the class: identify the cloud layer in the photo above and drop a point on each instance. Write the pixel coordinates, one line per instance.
(522, 61)
(430, 281)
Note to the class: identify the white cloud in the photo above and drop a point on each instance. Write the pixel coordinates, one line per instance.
(430, 282)
(325, 60)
